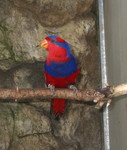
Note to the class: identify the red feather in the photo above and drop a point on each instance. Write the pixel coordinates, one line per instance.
(48, 38)
(56, 53)
(58, 105)
(58, 39)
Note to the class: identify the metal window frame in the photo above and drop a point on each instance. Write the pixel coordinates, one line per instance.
(103, 72)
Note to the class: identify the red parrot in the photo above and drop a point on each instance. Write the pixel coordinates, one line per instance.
(60, 69)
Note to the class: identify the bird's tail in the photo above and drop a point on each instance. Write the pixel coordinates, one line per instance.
(58, 106)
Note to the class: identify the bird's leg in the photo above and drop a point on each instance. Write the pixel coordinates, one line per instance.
(52, 88)
(74, 88)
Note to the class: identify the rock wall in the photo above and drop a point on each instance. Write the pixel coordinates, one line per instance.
(23, 24)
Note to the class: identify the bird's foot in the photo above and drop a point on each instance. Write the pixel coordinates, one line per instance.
(52, 88)
(74, 88)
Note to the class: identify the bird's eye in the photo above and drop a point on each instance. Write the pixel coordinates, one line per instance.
(53, 41)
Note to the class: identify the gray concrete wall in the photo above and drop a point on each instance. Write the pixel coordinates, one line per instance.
(116, 49)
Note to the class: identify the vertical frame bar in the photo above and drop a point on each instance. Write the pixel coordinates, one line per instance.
(103, 72)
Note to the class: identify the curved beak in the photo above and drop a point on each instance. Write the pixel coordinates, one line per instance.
(44, 44)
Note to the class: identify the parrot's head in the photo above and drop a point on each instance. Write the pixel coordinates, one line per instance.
(58, 49)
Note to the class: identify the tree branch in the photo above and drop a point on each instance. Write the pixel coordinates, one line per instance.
(101, 97)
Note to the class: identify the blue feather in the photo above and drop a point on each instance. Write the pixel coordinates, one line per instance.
(61, 69)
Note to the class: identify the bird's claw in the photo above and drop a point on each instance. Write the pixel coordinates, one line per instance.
(52, 88)
(74, 88)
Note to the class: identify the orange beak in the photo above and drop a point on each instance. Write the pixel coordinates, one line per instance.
(44, 44)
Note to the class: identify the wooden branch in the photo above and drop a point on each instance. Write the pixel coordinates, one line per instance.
(101, 97)
(22, 94)
(119, 90)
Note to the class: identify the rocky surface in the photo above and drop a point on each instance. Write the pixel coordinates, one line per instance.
(23, 24)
